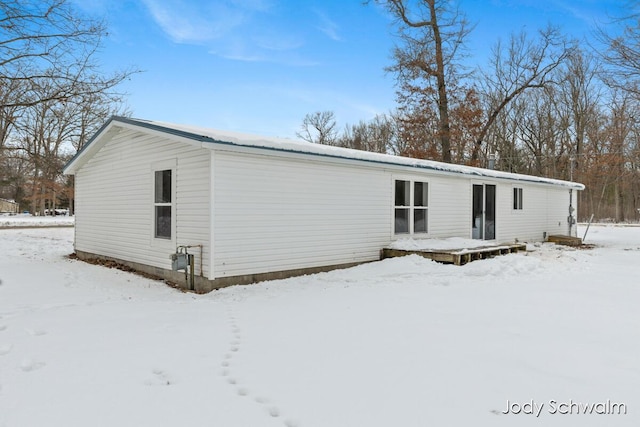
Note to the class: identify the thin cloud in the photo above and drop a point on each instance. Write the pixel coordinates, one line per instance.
(239, 54)
(239, 30)
(255, 5)
(190, 23)
(590, 17)
(278, 42)
(328, 26)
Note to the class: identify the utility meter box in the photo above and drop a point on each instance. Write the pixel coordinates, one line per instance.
(179, 261)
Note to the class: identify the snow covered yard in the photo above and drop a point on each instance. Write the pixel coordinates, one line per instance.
(27, 220)
(402, 342)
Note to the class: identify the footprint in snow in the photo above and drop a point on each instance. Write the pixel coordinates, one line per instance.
(5, 349)
(3, 327)
(36, 332)
(159, 378)
(273, 411)
(226, 371)
(29, 365)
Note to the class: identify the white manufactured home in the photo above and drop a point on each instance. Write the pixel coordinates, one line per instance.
(254, 208)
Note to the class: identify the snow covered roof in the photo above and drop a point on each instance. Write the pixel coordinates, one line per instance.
(208, 136)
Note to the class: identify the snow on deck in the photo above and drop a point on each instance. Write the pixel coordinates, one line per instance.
(445, 244)
(453, 250)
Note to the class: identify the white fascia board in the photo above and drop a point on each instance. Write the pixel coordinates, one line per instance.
(396, 164)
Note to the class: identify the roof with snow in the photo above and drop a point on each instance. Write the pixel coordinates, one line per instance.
(208, 138)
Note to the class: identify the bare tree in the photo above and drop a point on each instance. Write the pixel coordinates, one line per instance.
(540, 129)
(523, 64)
(378, 135)
(319, 127)
(622, 51)
(580, 96)
(52, 91)
(620, 130)
(49, 41)
(431, 33)
(48, 133)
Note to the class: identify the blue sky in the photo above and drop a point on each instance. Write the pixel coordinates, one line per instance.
(258, 66)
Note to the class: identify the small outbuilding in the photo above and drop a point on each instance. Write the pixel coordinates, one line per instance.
(253, 208)
(9, 206)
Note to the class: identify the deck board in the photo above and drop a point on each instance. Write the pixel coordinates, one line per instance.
(458, 256)
(565, 240)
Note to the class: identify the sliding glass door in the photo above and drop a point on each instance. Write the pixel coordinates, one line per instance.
(483, 216)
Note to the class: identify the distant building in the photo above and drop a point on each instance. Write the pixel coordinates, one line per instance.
(9, 206)
(264, 208)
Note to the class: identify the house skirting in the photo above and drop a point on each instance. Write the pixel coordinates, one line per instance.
(202, 284)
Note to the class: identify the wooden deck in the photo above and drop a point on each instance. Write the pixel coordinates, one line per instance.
(565, 240)
(458, 256)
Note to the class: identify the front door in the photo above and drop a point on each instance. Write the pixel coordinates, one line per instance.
(483, 216)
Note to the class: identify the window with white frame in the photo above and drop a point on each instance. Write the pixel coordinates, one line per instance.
(517, 199)
(411, 207)
(162, 204)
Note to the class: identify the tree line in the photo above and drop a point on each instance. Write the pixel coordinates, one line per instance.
(53, 97)
(543, 104)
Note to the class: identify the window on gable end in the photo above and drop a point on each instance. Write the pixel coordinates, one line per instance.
(162, 204)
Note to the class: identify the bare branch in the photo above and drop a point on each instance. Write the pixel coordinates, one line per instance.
(526, 64)
(431, 34)
(319, 128)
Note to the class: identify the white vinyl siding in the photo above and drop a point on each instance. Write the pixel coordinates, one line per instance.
(276, 214)
(558, 211)
(449, 207)
(114, 199)
(546, 212)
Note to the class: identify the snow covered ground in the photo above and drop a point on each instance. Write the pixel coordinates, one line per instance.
(401, 342)
(27, 220)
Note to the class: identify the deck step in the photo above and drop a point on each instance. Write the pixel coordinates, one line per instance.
(565, 240)
(458, 256)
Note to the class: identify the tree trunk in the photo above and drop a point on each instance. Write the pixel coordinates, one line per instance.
(443, 101)
(619, 202)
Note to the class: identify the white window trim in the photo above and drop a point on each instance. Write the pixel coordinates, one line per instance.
(411, 207)
(159, 241)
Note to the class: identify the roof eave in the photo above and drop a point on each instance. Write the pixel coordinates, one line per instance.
(83, 154)
(205, 141)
